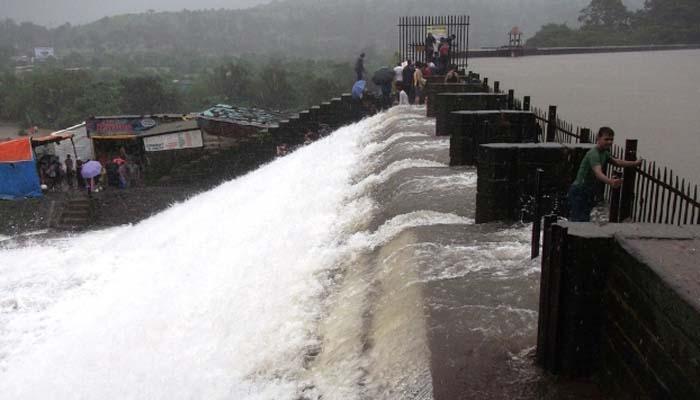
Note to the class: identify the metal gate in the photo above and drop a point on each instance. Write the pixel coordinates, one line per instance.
(414, 30)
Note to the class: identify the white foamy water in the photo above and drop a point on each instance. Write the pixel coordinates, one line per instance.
(214, 298)
(257, 289)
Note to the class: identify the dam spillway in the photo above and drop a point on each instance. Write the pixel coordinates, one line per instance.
(349, 269)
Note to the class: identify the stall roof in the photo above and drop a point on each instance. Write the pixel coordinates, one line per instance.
(227, 113)
(125, 116)
(162, 129)
(53, 138)
(172, 127)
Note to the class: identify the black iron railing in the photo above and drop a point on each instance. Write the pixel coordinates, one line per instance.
(650, 193)
(414, 30)
(663, 198)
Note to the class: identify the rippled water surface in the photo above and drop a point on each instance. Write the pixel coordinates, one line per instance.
(649, 96)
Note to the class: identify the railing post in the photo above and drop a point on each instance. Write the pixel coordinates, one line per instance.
(526, 103)
(496, 87)
(551, 123)
(548, 347)
(548, 221)
(585, 135)
(627, 195)
(536, 223)
(511, 99)
(614, 215)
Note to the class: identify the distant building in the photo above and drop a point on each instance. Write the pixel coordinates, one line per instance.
(514, 37)
(42, 54)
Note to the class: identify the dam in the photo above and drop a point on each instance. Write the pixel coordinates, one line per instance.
(349, 269)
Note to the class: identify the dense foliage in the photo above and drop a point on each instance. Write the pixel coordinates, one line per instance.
(56, 97)
(609, 22)
(328, 29)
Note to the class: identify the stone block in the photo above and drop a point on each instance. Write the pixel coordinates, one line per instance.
(432, 89)
(469, 129)
(448, 102)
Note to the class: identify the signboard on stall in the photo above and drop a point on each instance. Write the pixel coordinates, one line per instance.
(119, 126)
(173, 141)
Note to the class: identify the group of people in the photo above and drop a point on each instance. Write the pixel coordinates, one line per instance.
(52, 174)
(439, 52)
(409, 80)
(119, 171)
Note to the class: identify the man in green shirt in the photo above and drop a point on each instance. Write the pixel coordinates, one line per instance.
(581, 193)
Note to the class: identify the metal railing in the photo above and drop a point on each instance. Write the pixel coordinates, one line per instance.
(650, 193)
(413, 31)
(663, 198)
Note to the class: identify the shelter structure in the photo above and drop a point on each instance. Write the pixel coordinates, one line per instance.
(515, 37)
(18, 172)
(236, 122)
(138, 134)
(79, 146)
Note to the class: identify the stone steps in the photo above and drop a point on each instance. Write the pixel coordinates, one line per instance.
(76, 214)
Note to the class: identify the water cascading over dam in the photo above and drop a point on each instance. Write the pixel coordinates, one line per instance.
(349, 269)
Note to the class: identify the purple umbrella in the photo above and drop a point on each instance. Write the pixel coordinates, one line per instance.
(91, 169)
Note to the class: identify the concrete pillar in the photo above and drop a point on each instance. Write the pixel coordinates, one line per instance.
(445, 103)
(431, 90)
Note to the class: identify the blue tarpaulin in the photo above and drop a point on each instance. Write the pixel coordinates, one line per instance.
(18, 173)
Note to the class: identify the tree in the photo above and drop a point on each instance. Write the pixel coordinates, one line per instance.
(671, 21)
(554, 35)
(606, 14)
(274, 88)
(146, 95)
(232, 81)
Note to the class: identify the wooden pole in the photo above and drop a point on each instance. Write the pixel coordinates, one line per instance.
(630, 173)
(585, 135)
(550, 296)
(496, 86)
(511, 99)
(614, 215)
(526, 103)
(75, 152)
(551, 123)
(536, 223)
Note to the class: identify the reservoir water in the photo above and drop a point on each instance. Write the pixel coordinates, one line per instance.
(349, 269)
(649, 96)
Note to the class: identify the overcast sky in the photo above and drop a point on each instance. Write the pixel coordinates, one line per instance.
(52, 13)
(56, 12)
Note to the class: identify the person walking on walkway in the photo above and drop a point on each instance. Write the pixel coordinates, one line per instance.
(360, 67)
(70, 171)
(418, 83)
(429, 47)
(592, 168)
(408, 87)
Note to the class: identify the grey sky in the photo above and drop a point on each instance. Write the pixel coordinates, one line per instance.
(52, 13)
(56, 12)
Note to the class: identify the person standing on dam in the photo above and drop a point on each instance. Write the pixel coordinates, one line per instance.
(592, 167)
(360, 67)
(407, 75)
(429, 47)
